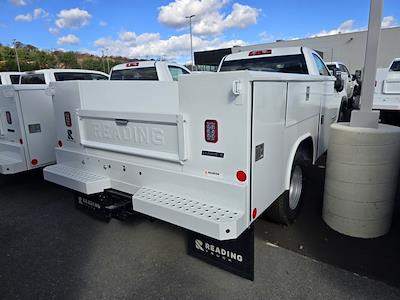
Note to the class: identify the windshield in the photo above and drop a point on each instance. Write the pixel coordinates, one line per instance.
(135, 74)
(283, 64)
(395, 66)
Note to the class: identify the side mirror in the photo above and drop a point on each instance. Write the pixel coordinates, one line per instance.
(339, 82)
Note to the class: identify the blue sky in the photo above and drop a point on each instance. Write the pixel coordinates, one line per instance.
(159, 28)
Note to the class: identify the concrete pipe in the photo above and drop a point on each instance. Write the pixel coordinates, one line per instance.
(361, 179)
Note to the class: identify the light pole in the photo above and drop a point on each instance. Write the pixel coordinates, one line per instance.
(191, 39)
(102, 59)
(108, 63)
(16, 54)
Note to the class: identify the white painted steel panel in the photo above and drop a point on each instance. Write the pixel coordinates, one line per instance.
(268, 169)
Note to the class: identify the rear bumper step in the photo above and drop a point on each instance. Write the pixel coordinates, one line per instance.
(10, 165)
(77, 179)
(214, 221)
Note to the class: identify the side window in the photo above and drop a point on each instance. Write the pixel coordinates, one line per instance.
(321, 66)
(33, 79)
(14, 79)
(96, 76)
(344, 69)
(176, 71)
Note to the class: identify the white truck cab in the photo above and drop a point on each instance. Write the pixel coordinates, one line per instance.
(148, 70)
(27, 126)
(387, 93)
(45, 76)
(349, 83)
(9, 77)
(209, 153)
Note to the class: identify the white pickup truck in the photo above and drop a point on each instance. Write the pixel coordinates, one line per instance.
(27, 127)
(148, 70)
(210, 153)
(387, 93)
(9, 78)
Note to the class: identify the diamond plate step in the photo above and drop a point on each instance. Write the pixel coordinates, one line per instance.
(214, 221)
(76, 179)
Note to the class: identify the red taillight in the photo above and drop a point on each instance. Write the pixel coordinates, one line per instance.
(133, 64)
(60, 143)
(34, 162)
(260, 52)
(241, 175)
(211, 131)
(8, 116)
(254, 213)
(67, 117)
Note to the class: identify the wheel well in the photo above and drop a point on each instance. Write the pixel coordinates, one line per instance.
(307, 148)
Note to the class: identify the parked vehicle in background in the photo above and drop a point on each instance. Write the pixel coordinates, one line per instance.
(46, 76)
(387, 93)
(9, 77)
(210, 156)
(148, 70)
(27, 127)
(349, 81)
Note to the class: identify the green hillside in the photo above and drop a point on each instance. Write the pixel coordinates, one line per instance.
(31, 58)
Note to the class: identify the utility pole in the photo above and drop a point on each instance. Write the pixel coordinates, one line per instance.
(108, 63)
(191, 39)
(16, 54)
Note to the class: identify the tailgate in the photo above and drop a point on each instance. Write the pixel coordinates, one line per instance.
(159, 136)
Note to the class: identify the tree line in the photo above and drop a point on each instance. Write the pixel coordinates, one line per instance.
(31, 58)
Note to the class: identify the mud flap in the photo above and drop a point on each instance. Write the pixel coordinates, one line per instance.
(235, 256)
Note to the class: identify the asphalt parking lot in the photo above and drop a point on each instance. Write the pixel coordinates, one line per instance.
(49, 250)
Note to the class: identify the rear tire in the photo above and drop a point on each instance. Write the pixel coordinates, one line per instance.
(286, 208)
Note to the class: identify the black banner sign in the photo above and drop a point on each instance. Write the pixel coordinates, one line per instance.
(235, 256)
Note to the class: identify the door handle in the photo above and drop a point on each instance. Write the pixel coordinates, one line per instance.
(121, 122)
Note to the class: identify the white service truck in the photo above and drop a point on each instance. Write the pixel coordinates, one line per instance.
(9, 78)
(210, 153)
(148, 70)
(387, 93)
(27, 127)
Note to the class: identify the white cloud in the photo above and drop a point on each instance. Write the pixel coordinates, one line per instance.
(103, 23)
(209, 18)
(54, 30)
(18, 2)
(40, 13)
(389, 21)
(345, 27)
(69, 39)
(37, 13)
(348, 26)
(127, 36)
(24, 18)
(74, 18)
(150, 45)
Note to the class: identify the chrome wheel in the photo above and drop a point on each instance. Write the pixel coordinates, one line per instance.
(296, 187)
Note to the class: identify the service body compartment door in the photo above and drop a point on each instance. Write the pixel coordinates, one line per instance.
(267, 172)
(38, 116)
